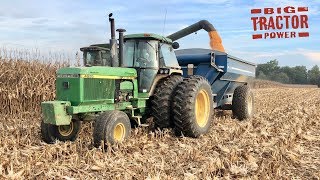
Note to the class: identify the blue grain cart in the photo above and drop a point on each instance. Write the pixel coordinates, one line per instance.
(224, 72)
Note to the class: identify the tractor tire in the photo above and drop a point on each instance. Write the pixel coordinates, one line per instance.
(161, 104)
(46, 133)
(62, 133)
(193, 107)
(242, 102)
(111, 127)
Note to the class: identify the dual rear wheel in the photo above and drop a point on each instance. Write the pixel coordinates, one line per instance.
(184, 104)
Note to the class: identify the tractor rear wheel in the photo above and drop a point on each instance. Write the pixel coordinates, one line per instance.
(111, 127)
(193, 106)
(242, 102)
(69, 132)
(162, 101)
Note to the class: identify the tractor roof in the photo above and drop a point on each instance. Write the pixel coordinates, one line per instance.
(96, 47)
(148, 36)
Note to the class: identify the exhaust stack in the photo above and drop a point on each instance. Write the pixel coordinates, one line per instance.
(215, 39)
(121, 31)
(113, 43)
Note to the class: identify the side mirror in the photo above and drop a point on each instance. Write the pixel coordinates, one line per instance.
(175, 45)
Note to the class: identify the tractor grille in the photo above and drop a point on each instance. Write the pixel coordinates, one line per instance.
(97, 89)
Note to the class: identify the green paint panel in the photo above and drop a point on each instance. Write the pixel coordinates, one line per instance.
(144, 95)
(54, 112)
(148, 36)
(98, 70)
(126, 85)
(95, 89)
(138, 103)
(97, 108)
(69, 89)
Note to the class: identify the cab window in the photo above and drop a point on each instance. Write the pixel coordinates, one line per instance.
(141, 53)
(168, 56)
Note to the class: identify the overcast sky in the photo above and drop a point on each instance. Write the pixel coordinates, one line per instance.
(67, 25)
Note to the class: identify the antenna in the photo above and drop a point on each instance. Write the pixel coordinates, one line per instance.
(164, 22)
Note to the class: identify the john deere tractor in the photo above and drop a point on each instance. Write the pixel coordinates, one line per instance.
(141, 78)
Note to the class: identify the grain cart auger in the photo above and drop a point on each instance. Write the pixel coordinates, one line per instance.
(147, 79)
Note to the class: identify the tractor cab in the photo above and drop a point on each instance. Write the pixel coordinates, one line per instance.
(96, 55)
(152, 56)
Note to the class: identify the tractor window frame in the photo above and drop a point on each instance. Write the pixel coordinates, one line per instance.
(134, 51)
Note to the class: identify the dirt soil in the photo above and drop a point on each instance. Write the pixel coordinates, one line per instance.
(282, 140)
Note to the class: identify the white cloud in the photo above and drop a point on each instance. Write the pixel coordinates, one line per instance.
(311, 54)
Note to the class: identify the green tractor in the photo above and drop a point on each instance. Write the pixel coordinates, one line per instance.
(114, 96)
(124, 84)
(114, 93)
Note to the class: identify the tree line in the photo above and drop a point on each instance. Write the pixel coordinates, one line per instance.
(288, 75)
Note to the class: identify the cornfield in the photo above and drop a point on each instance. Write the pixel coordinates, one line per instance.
(282, 140)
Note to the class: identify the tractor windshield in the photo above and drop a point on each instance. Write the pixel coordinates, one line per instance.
(141, 53)
(91, 58)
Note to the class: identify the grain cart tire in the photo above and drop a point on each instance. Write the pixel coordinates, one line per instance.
(161, 107)
(111, 127)
(63, 133)
(46, 133)
(242, 102)
(193, 107)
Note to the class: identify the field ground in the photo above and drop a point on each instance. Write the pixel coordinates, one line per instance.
(281, 141)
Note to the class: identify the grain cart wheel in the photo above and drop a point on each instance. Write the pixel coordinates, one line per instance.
(242, 102)
(162, 101)
(111, 127)
(192, 107)
(63, 133)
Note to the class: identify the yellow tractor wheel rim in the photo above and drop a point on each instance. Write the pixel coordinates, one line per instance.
(66, 130)
(119, 132)
(202, 108)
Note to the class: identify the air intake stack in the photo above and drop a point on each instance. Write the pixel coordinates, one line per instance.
(113, 43)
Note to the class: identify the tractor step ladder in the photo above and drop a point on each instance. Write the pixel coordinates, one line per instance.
(136, 118)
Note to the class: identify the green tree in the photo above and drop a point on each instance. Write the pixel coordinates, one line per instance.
(314, 75)
(261, 75)
(289, 72)
(268, 68)
(281, 77)
(301, 75)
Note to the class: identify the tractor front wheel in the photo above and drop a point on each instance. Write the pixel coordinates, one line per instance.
(192, 106)
(111, 127)
(69, 132)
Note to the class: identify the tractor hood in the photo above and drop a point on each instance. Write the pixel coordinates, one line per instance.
(94, 71)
